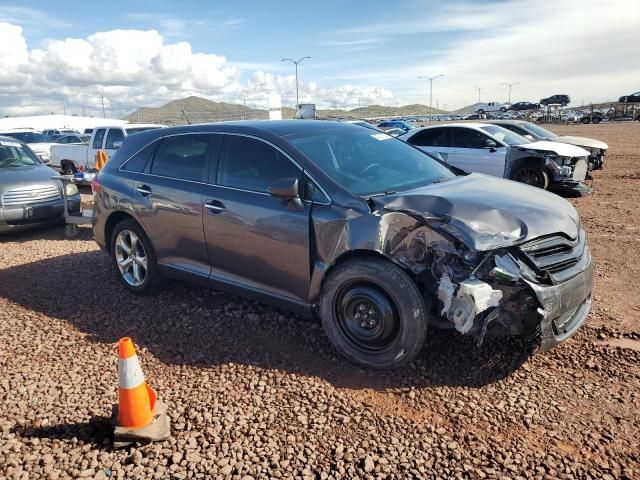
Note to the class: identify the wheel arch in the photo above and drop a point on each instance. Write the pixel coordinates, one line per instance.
(346, 256)
(114, 219)
(528, 161)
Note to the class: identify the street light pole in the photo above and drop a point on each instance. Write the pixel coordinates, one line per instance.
(431, 79)
(479, 89)
(510, 85)
(296, 62)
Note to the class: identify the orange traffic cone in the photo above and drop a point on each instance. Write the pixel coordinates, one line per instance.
(140, 417)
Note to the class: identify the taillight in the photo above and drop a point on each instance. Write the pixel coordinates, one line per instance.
(95, 185)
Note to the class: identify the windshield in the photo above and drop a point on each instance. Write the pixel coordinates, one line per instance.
(539, 131)
(27, 137)
(505, 136)
(365, 162)
(13, 154)
(138, 129)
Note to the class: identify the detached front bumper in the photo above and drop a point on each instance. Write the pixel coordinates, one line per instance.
(565, 306)
(21, 217)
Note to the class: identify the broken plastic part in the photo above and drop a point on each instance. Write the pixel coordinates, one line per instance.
(446, 289)
(505, 268)
(474, 296)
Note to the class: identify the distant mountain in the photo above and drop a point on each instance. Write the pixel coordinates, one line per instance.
(200, 110)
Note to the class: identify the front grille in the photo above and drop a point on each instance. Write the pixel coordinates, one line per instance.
(555, 255)
(30, 194)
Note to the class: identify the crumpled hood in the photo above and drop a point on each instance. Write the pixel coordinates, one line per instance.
(486, 212)
(582, 142)
(562, 149)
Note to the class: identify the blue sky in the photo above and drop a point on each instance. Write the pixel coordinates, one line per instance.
(361, 53)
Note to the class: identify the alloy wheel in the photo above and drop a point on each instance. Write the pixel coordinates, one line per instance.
(131, 258)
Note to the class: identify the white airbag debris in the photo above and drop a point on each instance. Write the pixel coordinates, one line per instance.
(474, 296)
(446, 290)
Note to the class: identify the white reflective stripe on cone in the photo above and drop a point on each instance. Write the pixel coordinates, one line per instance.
(129, 372)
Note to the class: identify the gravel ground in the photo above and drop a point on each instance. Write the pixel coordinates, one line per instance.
(254, 392)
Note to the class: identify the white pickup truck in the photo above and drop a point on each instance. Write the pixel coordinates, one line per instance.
(80, 157)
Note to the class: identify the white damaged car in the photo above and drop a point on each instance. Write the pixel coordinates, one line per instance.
(493, 150)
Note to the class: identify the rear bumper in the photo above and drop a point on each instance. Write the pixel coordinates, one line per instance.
(23, 217)
(565, 306)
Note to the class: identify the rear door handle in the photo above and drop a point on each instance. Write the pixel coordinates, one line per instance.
(215, 206)
(143, 190)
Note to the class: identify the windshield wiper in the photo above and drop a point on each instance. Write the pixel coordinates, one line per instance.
(442, 179)
(381, 194)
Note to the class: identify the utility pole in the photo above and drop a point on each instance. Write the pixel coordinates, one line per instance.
(510, 85)
(102, 100)
(296, 62)
(479, 89)
(431, 79)
(83, 113)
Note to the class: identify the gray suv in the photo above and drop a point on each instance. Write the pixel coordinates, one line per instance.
(375, 237)
(28, 195)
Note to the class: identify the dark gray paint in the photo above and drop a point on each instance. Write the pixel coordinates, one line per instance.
(267, 248)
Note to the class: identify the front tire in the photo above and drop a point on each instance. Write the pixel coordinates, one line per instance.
(532, 175)
(373, 313)
(133, 258)
(481, 112)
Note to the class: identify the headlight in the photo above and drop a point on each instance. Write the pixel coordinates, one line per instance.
(70, 189)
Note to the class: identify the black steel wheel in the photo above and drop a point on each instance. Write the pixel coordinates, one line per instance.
(366, 316)
(373, 312)
(532, 175)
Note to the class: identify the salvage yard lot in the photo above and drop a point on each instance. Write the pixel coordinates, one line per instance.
(256, 392)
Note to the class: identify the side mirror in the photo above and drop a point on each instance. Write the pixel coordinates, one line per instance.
(488, 143)
(117, 144)
(530, 137)
(287, 189)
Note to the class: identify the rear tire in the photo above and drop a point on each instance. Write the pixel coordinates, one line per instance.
(68, 168)
(133, 258)
(596, 120)
(373, 313)
(480, 112)
(532, 175)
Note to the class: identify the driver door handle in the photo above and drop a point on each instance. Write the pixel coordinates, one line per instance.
(215, 206)
(143, 190)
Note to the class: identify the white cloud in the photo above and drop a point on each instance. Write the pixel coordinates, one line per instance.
(132, 68)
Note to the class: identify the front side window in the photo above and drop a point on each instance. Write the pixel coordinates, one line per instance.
(364, 162)
(182, 157)
(251, 164)
(114, 135)
(470, 138)
(97, 138)
(431, 137)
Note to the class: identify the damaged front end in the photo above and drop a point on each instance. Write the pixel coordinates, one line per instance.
(539, 289)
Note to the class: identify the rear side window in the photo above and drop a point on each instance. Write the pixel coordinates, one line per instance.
(182, 156)
(251, 164)
(97, 138)
(139, 161)
(433, 137)
(469, 138)
(114, 135)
